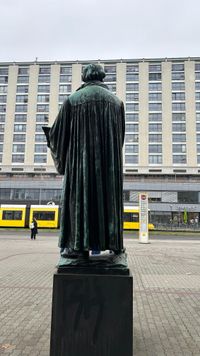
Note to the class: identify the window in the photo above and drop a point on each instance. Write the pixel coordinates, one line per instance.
(1, 148)
(178, 127)
(2, 117)
(65, 88)
(44, 70)
(198, 126)
(42, 118)
(155, 106)
(155, 159)
(43, 88)
(44, 215)
(20, 148)
(44, 79)
(155, 76)
(198, 106)
(188, 197)
(4, 80)
(42, 108)
(23, 70)
(131, 127)
(21, 108)
(131, 138)
(131, 217)
(65, 70)
(155, 68)
(132, 107)
(178, 86)
(22, 79)
(132, 117)
(109, 69)
(178, 76)
(3, 98)
(1, 137)
(17, 158)
(2, 108)
(179, 159)
(197, 95)
(19, 128)
(40, 148)
(155, 148)
(3, 89)
(155, 127)
(131, 148)
(12, 215)
(198, 148)
(62, 98)
(178, 106)
(20, 117)
(43, 98)
(178, 96)
(179, 148)
(132, 96)
(155, 138)
(155, 117)
(155, 86)
(179, 137)
(198, 137)
(19, 138)
(133, 86)
(132, 68)
(155, 97)
(40, 159)
(40, 138)
(1, 127)
(65, 78)
(22, 89)
(3, 70)
(131, 159)
(178, 67)
(197, 66)
(131, 77)
(39, 127)
(22, 98)
(197, 76)
(110, 78)
(197, 85)
(111, 87)
(178, 116)
(197, 116)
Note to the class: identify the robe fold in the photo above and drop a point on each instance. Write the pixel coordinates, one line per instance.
(86, 142)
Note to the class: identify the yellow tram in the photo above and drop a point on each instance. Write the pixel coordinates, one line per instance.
(47, 216)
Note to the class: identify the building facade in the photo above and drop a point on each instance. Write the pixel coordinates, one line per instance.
(162, 140)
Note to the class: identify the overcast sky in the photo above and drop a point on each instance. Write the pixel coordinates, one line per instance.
(98, 29)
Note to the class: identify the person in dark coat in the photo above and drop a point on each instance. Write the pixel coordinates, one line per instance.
(34, 229)
(86, 143)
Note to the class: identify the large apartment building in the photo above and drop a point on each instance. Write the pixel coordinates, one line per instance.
(162, 140)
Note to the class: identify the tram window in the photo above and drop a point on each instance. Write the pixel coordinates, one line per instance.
(44, 215)
(12, 215)
(131, 217)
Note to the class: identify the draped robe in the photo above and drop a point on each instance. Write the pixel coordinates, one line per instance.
(86, 142)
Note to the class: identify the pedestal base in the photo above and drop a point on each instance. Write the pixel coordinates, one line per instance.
(92, 315)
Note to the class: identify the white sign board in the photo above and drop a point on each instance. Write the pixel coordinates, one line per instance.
(143, 218)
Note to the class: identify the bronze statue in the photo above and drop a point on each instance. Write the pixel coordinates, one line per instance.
(86, 142)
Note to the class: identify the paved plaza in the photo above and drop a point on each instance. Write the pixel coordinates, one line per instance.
(166, 294)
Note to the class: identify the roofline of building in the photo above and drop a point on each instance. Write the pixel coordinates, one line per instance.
(122, 60)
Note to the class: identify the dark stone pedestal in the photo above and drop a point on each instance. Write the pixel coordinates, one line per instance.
(92, 315)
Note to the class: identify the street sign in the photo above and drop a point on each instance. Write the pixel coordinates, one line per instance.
(143, 218)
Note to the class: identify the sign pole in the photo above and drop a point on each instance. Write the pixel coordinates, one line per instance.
(143, 219)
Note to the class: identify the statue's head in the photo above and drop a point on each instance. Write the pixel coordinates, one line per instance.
(93, 72)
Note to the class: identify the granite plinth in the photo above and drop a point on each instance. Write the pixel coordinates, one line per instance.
(92, 315)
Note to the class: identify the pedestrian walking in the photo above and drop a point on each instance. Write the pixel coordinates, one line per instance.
(34, 229)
